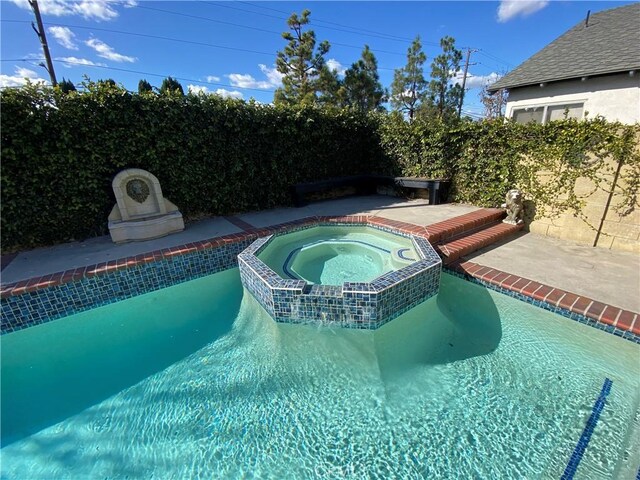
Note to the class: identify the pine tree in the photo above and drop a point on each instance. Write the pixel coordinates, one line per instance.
(66, 86)
(300, 63)
(445, 96)
(330, 87)
(170, 86)
(409, 86)
(361, 86)
(144, 87)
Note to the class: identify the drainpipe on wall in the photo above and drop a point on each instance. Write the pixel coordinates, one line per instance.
(606, 207)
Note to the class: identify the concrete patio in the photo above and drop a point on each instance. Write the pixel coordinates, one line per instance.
(611, 277)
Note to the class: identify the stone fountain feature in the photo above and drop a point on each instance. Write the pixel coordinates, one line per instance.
(141, 212)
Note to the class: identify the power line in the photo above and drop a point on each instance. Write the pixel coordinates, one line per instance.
(160, 37)
(170, 12)
(316, 22)
(494, 57)
(403, 39)
(150, 74)
(145, 35)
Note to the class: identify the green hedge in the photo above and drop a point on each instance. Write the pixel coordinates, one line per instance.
(486, 159)
(212, 156)
(217, 156)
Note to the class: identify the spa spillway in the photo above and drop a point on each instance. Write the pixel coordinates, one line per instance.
(352, 275)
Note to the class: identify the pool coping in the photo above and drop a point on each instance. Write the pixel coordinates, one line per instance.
(618, 321)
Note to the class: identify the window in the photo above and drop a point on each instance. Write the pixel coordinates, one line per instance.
(548, 113)
(558, 112)
(529, 114)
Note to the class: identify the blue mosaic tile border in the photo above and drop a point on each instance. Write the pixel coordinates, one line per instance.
(353, 305)
(583, 442)
(627, 335)
(41, 306)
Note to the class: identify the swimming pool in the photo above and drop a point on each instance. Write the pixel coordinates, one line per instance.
(196, 380)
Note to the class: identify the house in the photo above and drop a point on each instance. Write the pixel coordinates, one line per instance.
(593, 69)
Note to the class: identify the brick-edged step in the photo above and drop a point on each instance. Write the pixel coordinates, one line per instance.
(441, 231)
(454, 248)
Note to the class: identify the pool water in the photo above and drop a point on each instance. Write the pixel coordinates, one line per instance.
(197, 381)
(328, 255)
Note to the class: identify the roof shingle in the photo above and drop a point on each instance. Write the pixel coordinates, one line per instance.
(609, 44)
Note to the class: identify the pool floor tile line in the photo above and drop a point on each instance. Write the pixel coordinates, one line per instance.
(587, 432)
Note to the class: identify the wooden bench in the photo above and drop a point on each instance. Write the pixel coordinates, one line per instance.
(368, 184)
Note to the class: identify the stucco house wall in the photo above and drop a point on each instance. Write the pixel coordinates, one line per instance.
(615, 97)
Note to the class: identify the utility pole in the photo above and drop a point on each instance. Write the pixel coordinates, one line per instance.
(464, 79)
(43, 40)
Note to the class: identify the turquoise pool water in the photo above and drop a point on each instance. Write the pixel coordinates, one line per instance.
(329, 255)
(196, 381)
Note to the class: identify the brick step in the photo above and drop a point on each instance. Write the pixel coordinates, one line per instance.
(454, 227)
(454, 248)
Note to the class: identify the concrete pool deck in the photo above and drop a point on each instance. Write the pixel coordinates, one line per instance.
(608, 276)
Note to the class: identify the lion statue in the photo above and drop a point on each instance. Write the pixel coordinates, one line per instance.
(514, 207)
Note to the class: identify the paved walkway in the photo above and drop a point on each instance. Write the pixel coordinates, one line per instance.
(608, 276)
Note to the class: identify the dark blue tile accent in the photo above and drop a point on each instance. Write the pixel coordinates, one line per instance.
(578, 452)
(402, 256)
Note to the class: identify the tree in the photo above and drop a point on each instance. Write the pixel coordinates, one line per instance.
(144, 87)
(409, 86)
(300, 64)
(330, 87)
(66, 86)
(170, 86)
(494, 103)
(445, 95)
(361, 85)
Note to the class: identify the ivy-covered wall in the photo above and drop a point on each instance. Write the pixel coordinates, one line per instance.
(217, 156)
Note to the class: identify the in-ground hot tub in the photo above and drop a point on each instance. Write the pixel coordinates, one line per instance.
(356, 276)
(333, 255)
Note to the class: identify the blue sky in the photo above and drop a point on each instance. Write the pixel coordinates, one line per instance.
(230, 47)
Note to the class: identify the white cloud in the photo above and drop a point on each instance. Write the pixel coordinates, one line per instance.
(333, 64)
(247, 81)
(274, 77)
(242, 80)
(229, 93)
(105, 51)
(20, 78)
(89, 9)
(213, 78)
(64, 36)
(476, 81)
(197, 89)
(509, 9)
(71, 61)
(220, 91)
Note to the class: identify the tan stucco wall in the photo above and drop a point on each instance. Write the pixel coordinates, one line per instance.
(618, 232)
(615, 97)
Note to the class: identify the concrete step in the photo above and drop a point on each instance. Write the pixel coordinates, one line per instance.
(454, 227)
(453, 248)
